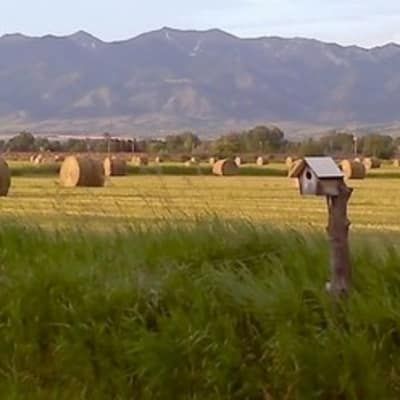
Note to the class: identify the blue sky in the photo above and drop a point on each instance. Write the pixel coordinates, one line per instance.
(363, 22)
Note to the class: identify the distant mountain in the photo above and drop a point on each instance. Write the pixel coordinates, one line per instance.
(171, 79)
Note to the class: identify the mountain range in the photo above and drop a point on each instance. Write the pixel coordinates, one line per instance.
(203, 80)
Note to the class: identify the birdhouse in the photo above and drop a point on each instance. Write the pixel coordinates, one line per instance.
(319, 176)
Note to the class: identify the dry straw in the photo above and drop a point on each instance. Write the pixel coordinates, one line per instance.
(193, 161)
(139, 161)
(5, 178)
(81, 171)
(114, 166)
(225, 167)
(59, 158)
(212, 160)
(371, 163)
(289, 162)
(39, 159)
(353, 169)
(238, 161)
(260, 161)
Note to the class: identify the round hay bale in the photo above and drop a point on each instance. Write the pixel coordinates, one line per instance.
(59, 158)
(158, 160)
(32, 158)
(296, 168)
(5, 178)
(81, 171)
(238, 161)
(371, 163)
(138, 161)
(212, 160)
(260, 161)
(190, 163)
(353, 169)
(114, 166)
(358, 159)
(290, 161)
(396, 163)
(225, 168)
(39, 159)
(193, 160)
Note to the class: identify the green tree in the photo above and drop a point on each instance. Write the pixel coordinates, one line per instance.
(228, 145)
(338, 142)
(184, 142)
(381, 146)
(262, 139)
(24, 141)
(311, 147)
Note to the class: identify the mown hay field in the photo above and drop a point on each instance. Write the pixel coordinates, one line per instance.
(150, 198)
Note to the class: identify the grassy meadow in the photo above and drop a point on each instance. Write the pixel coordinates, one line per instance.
(189, 287)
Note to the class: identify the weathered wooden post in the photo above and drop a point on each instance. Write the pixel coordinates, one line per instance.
(321, 176)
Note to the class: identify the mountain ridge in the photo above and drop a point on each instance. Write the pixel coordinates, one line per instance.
(195, 31)
(170, 79)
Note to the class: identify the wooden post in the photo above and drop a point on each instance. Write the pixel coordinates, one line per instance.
(338, 231)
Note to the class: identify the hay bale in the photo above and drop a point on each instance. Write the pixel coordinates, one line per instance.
(353, 169)
(296, 168)
(81, 171)
(225, 168)
(238, 161)
(39, 159)
(290, 161)
(5, 177)
(158, 160)
(212, 160)
(32, 158)
(371, 163)
(59, 158)
(139, 161)
(396, 163)
(260, 161)
(194, 160)
(114, 166)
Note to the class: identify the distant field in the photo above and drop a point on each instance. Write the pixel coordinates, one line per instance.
(157, 197)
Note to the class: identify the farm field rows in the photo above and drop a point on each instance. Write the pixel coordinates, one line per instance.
(153, 199)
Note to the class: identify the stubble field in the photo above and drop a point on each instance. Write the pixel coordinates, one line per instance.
(150, 199)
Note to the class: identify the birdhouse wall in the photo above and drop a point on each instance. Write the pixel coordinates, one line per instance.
(308, 182)
(328, 187)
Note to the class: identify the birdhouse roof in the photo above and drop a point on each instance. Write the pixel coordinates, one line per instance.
(323, 168)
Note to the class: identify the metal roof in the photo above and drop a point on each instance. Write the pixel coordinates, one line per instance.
(324, 167)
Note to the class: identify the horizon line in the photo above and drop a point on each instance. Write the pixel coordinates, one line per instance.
(199, 31)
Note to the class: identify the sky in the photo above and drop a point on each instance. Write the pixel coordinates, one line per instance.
(365, 23)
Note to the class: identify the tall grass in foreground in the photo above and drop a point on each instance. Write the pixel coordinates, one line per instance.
(219, 311)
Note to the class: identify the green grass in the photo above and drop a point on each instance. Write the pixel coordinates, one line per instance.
(195, 287)
(215, 311)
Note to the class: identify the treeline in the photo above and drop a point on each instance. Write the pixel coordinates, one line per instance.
(259, 140)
